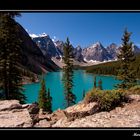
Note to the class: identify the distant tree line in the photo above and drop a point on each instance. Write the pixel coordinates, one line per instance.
(112, 68)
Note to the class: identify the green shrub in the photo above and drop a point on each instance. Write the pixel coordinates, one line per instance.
(92, 95)
(133, 90)
(106, 99)
(111, 99)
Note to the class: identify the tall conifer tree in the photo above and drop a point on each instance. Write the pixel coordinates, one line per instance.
(126, 57)
(10, 58)
(68, 74)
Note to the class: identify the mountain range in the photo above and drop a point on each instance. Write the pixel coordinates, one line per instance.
(94, 53)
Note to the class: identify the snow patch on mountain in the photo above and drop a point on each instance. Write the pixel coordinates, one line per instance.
(40, 35)
(33, 35)
(43, 35)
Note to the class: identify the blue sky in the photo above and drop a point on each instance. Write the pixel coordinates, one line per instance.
(83, 29)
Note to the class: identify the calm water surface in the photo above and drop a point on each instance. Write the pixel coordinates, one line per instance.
(82, 81)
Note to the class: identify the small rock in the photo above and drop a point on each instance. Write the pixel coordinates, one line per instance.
(43, 123)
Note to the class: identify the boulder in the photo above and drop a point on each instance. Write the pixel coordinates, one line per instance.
(15, 118)
(43, 123)
(13, 115)
(9, 105)
(80, 110)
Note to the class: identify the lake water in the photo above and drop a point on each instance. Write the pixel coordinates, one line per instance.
(82, 81)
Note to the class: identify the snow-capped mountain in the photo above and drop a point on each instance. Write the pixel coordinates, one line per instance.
(32, 57)
(59, 46)
(96, 52)
(77, 53)
(47, 46)
(113, 50)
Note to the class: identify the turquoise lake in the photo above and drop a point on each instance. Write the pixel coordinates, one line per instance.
(82, 81)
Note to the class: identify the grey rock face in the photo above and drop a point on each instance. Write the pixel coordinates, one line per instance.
(47, 46)
(32, 57)
(96, 52)
(59, 46)
(112, 50)
(77, 52)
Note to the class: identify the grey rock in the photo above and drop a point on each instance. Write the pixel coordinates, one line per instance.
(43, 123)
(96, 52)
(9, 105)
(12, 115)
(113, 50)
(47, 46)
(80, 110)
(32, 57)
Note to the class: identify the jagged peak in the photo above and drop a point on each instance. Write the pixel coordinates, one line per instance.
(95, 45)
(98, 43)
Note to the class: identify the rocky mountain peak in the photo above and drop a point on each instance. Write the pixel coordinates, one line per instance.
(96, 52)
(113, 50)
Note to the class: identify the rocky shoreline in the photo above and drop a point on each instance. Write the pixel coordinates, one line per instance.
(15, 115)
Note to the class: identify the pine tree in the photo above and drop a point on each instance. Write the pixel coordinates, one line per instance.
(42, 96)
(126, 57)
(10, 58)
(100, 84)
(44, 99)
(83, 94)
(94, 81)
(68, 74)
(49, 102)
